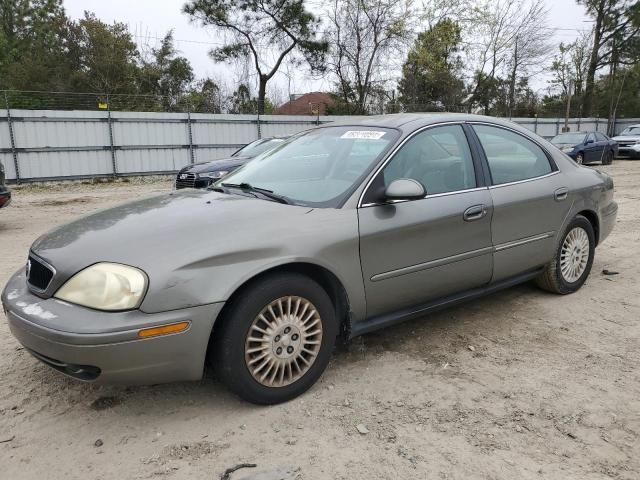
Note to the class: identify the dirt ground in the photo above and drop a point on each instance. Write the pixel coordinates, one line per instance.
(519, 385)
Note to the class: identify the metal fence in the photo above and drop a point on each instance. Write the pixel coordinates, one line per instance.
(38, 145)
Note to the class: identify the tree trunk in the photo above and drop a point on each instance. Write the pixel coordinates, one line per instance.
(512, 82)
(262, 93)
(612, 83)
(587, 100)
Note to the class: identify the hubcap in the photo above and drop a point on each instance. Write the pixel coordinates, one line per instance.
(574, 254)
(579, 159)
(283, 341)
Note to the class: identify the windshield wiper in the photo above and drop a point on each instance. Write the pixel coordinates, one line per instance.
(262, 191)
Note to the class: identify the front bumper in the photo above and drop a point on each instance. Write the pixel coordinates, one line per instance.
(98, 352)
(632, 151)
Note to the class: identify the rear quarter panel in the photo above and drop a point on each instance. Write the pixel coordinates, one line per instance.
(589, 190)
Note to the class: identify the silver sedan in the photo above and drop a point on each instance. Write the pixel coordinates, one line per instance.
(338, 231)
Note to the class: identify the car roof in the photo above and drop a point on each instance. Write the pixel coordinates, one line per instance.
(410, 121)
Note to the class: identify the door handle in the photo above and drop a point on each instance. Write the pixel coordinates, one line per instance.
(474, 213)
(561, 194)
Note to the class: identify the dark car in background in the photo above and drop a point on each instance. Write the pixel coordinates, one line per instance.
(5, 194)
(201, 175)
(587, 147)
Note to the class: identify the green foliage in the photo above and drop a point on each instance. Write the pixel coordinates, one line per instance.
(257, 28)
(615, 40)
(32, 44)
(106, 57)
(431, 76)
(166, 74)
(241, 101)
(204, 97)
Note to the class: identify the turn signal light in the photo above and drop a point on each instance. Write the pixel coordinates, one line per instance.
(163, 330)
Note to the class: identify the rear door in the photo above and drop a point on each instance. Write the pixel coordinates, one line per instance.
(530, 200)
(415, 251)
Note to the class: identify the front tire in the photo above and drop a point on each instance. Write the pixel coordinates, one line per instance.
(580, 159)
(571, 265)
(276, 338)
(608, 158)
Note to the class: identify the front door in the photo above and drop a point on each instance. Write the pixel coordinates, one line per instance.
(530, 200)
(593, 149)
(416, 251)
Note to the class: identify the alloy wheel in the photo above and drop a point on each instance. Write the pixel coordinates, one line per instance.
(579, 159)
(283, 341)
(574, 254)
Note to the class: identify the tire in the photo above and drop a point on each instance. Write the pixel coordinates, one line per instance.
(232, 349)
(580, 159)
(608, 158)
(553, 278)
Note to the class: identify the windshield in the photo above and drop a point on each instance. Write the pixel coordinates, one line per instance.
(259, 146)
(316, 168)
(568, 138)
(631, 131)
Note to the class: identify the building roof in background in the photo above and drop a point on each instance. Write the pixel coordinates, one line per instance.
(306, 104)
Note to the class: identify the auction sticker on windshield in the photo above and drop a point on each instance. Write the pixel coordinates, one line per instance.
(363, 134)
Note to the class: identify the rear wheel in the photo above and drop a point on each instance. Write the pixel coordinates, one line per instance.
(276, 339)
(572, 263)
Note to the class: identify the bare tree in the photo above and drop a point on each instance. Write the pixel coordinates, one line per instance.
(365, 34)
(506, 39)
(528, 44)
(435, 11)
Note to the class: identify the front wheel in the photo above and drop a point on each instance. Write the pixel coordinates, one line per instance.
(276, 339)
(608, 158)
(580, 159)
(570, 267)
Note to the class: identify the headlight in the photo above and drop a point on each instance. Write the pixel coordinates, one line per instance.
(214, 175)
(105, 286)
(567, 149)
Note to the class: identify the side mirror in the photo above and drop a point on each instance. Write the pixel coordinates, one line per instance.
(404, 189)
(589, 140)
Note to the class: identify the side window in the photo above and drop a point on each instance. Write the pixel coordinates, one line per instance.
(438, 157)
(591, 137)
(601, 138)
(511, 156)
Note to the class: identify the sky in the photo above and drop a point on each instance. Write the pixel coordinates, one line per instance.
(149, 20)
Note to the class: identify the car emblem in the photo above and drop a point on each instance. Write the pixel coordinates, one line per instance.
(183, 176)
(28, 268)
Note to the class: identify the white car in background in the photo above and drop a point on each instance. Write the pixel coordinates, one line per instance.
(629, 142)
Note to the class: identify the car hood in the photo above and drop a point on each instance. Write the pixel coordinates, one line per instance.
(627, 138)
(172, 235)
(215, 165)
(563, 145)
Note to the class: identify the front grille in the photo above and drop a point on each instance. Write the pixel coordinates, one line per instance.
(39, 275)
(626, 143)
(188, 181)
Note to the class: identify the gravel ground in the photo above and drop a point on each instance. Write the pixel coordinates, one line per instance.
(519, 385)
